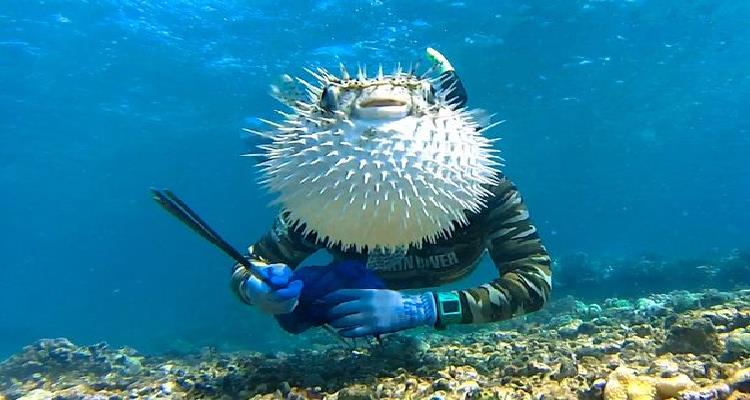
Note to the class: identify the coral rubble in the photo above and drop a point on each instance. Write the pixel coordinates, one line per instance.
(652, 348)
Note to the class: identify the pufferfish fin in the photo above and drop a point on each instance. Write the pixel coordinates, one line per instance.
(287, 91)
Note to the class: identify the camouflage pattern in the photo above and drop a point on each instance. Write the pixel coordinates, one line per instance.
(503, 229)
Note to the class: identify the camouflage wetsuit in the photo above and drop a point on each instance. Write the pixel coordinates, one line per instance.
(503, 229)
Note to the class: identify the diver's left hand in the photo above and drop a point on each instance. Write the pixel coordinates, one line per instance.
(362, 312)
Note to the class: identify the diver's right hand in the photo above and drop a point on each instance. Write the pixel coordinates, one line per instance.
(281, 299)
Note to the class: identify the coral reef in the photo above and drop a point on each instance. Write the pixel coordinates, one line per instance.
(580, 274)
(651, 348)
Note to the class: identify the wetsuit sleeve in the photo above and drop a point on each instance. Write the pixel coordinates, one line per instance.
(281, 244)
(524, 266)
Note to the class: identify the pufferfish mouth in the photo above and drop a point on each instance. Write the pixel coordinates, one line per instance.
(380, 107)
(382, 102)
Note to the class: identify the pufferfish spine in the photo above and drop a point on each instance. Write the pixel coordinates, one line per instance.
(387, 184)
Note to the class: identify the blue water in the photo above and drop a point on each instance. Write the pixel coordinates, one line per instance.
(627, 132)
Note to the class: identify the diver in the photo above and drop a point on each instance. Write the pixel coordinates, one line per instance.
(502, 228)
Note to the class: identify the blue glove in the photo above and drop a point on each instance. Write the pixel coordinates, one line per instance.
(320, 281)
(280, 300)
(362, 312)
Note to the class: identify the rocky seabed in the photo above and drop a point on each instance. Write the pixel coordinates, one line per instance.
(682, 345)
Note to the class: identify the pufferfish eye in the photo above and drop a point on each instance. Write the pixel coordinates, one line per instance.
(329, 100)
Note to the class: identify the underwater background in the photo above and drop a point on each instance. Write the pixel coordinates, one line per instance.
(626, 131)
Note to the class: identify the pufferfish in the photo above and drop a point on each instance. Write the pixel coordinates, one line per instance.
(380, 163)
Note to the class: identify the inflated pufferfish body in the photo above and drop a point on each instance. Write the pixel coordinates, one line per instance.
(377, 162)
